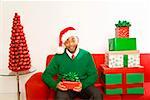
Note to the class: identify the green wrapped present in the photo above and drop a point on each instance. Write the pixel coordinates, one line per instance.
(122, 80)
(122, 44)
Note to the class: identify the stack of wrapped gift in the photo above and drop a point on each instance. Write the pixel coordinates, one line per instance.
(122, 73)
(122, 80)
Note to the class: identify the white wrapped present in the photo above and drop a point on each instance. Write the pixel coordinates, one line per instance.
(120, 59)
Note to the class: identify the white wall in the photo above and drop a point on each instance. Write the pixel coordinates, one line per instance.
(42, 21)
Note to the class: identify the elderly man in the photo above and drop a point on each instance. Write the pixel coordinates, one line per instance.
(70, 58)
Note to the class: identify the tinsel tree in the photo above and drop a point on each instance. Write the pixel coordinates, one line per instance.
(19, 58)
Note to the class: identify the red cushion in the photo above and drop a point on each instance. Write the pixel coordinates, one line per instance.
(145, 61)
(49, 57)
(34, 93)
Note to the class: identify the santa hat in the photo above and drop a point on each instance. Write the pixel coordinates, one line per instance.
(64, 35)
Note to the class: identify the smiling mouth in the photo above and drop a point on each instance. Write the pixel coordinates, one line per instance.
(72, 49)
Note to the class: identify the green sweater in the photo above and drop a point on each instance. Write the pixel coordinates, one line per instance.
(61, 64)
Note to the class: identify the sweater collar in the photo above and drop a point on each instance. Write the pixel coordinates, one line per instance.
(75, 54)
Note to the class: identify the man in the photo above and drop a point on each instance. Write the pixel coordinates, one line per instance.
(70, 58)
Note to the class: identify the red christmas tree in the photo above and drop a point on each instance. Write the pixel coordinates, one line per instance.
(19, 58)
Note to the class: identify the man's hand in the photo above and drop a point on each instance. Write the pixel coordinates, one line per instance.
(78, 88)
(60, 86)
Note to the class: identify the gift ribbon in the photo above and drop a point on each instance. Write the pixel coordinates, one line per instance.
(106, 70)
(123, 24)
(124, 85)
(125, 60)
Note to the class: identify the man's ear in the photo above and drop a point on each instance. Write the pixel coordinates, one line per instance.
(64, 44)
(77, 39)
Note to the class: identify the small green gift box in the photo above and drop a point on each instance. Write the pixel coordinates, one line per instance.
(122, 44)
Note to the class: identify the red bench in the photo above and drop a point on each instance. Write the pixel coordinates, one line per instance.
(36, 89)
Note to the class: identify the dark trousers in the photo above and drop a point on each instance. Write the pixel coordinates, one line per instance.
(89, 93)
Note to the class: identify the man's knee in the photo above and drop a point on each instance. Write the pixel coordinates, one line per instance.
(98, 96)
(95, 93)
(61, 95)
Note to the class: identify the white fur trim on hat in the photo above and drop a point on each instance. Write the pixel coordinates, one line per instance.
(68, 34)
(60, 50)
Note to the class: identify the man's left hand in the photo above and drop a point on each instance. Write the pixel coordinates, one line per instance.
(78, 88)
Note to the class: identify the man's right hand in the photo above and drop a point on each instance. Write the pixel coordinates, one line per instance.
(60, 86)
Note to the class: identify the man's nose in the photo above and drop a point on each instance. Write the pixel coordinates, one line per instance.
(71, 44)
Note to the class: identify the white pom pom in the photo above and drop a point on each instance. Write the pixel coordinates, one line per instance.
(60, 50)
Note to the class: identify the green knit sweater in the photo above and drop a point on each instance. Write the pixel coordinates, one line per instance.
(61, 64)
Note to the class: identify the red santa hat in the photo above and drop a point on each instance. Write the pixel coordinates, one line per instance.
(64, 35)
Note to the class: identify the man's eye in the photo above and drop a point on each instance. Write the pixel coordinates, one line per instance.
(73, 40)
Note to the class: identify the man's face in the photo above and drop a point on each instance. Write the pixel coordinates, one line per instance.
(71, 44)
